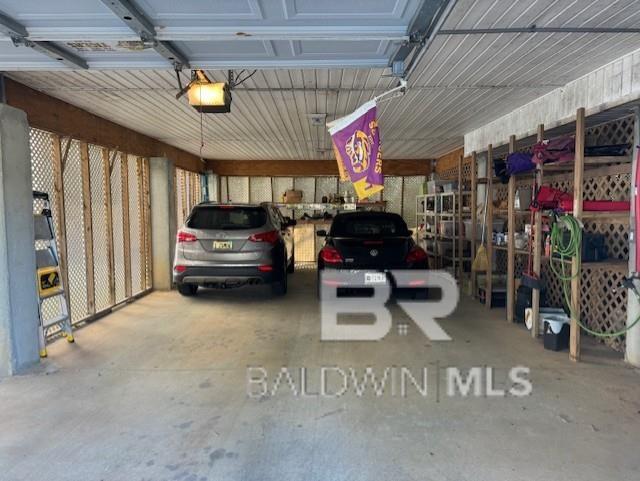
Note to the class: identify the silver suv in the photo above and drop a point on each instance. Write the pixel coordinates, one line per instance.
(230, 245)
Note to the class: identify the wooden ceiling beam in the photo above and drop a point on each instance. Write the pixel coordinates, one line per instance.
(299, 168)
(54, 115)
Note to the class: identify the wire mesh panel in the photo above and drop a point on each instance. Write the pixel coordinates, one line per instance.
(118, 238)
(224, 192)
(392, 194)
(40, 143)
(136, 248)
(280, 185)
(345, 188)
(98, 219)
(75, 233)
(325, 187)
(411, 190)
(180, 196)
(308, 187)
(260, 189)
(239, 189)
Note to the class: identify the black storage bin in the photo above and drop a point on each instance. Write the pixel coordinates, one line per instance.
(498, 298)
(523, 301)
(594, 248)
(556, 342)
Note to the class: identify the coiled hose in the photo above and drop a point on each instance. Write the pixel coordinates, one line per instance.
(566, 248)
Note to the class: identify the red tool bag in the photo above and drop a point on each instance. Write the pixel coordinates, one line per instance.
(549, 198)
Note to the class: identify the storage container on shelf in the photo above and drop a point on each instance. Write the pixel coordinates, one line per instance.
(498, 226)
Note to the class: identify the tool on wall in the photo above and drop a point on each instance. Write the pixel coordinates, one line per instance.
(481, 262)
(48, 278)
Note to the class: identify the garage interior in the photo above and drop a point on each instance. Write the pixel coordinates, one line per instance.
(158, 386)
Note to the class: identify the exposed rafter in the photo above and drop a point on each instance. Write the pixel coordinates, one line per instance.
(139, 23)
(20, 36)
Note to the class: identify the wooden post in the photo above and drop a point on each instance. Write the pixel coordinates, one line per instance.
(58, 186)
(460, 225)
(126, 232)
(536, 238)
(142, 235)
(108, 209)
(578, 174)
(511, 247)
(474, 215)
(489, 229)
(88, 227)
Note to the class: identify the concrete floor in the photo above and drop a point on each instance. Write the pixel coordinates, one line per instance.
(157, 391)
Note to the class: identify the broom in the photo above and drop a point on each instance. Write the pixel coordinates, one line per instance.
(481, 262)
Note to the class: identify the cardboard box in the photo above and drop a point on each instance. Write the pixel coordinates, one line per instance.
(293, 196)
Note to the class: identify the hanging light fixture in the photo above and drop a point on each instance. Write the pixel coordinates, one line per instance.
(210, 97)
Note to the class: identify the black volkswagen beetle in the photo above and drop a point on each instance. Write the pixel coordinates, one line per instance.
(374, 243)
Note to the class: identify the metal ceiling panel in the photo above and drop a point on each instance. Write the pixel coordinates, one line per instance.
(461, 83)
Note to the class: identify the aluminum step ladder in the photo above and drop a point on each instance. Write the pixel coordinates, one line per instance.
(48, 276)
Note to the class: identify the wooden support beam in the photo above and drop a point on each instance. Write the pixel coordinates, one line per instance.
(126, 232)
(474, 215)
(578, 176)
(511, 248)
(58, 201)
(85, 169)
(536, 238)
(489, 228)
(301, 168)
(108, 210)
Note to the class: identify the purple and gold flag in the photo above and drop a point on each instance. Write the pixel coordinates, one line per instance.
(356, 144)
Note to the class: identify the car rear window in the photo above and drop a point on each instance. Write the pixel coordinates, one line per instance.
(227, 218)
(369, 226)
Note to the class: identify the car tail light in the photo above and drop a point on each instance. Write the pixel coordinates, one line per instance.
(265, 268)
(180, 269)
(416, 254)
(271, 237)
(330, 255)
(186, 236)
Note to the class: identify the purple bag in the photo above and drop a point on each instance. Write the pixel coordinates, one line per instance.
(561, 149)
(519, 162)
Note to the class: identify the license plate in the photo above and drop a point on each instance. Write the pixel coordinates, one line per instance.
(222, 245)
(375, 278)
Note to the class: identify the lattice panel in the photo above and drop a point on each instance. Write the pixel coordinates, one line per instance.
(604, 302)
(521, 264)
(260, 189)
(308, 187)
(137, 248)
(75, 233)
(179, 183)
(616, 235)
(615, 132)
(239, 189)
(280, 186)
(449, 174)
(411, 190)
(325, 186)
(98, 217)
(118, 239)
(224, 195)
(553, 286)
(41, 145)
(392, 194)
(611, 187)
(346, 189)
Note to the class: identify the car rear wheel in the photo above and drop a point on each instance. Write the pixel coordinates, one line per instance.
(279, 288)
(188, 289)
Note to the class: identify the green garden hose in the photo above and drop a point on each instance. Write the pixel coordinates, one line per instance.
(566, 249)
